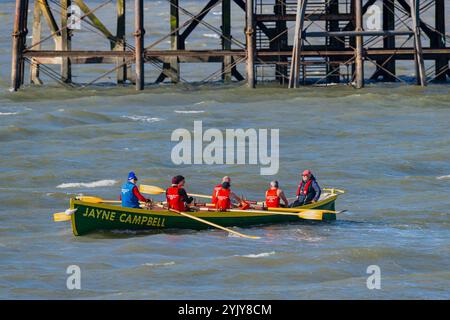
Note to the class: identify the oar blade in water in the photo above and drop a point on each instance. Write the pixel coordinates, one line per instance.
(311, 215)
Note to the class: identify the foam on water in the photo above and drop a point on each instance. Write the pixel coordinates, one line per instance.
(160, 264)
(143, 118)
(443, 177)
(189, 111)
(257, 255)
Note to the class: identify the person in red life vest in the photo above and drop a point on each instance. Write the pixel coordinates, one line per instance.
(176, 196)
(130, 195)
(308, 190)
(224, 195)
(273, 196)
(218, 187)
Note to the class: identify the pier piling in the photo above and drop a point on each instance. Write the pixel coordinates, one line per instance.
(250, 36)
(17, 45)
(328, 38)
(139, 43)
(359, 62)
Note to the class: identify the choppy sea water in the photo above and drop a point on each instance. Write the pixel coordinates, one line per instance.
(387, 145)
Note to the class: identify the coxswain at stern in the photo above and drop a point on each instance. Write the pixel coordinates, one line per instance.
(308, 190)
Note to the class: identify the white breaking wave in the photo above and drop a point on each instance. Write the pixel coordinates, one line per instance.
(8, 113)
(161, 264)
(443, 177)
(143, 118)
(211, 35)
(258, 255)
(94, 184)
(189, 111)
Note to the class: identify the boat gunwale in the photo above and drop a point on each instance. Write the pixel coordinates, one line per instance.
(202, 214)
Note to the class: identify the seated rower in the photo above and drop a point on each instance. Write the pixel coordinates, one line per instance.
(130, 195)
(308, 190)
(224, 195)
(176, 196)
(273, 196)
(218, 187)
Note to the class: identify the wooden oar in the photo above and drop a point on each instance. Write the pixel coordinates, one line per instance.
(296, 210)
(100, 200)
(150, 189)
(96, 199)
(307, 215)
(63, 216)
(157, 190)
(311, 214)
(214, 225)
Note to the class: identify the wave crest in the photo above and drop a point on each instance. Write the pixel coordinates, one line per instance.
(94, 184)
(257, 255)
(142, 118)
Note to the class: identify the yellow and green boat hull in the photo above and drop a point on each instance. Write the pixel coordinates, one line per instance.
(90, 217)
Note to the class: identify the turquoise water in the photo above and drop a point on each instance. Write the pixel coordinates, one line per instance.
(388, 146)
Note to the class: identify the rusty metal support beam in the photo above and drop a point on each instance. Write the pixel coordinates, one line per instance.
(17, 44)
(24, 41)
(66, 69)
(139, 43)
(250, 43)
(226, 35)
(359, 62)
(36, 38)
(294, 75)
(438, 41)
(418, 55)
(119, 45)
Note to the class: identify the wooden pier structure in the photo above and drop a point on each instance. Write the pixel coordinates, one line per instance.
(293, 42)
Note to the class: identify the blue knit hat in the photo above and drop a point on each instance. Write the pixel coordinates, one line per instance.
(132, 176)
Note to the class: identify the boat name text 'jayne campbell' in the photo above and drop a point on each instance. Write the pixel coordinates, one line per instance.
(124, 217)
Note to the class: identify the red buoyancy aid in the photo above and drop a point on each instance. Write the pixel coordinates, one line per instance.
(174, 200)
(305, 188)
(223, 201)
(272, 198)
(214, 194)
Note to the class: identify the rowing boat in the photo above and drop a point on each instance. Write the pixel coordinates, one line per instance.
(88, 217)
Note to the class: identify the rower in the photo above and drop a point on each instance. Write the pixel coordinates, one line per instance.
(308, 190)
(224, 195)
(176, 196)
(273, 196)
(130, 195)
(218, 187)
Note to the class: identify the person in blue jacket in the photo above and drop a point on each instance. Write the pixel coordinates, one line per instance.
(130, 195)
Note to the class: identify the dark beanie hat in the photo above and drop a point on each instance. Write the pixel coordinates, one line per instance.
(225, 185)
(177, 179)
